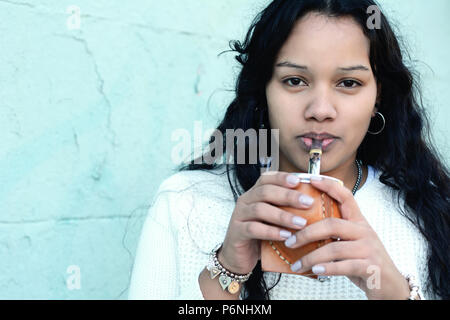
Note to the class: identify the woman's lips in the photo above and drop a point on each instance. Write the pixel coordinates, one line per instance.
(326, 143)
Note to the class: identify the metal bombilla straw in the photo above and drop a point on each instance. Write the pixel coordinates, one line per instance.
(315, 155)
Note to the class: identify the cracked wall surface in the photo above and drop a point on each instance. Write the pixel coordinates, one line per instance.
(86, 118)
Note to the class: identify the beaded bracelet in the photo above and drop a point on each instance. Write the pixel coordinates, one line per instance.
(227, 279)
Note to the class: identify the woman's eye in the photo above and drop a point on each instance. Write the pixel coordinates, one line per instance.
(349, 84)
(293, 82)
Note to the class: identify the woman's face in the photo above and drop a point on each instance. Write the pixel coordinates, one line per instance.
(322, 83)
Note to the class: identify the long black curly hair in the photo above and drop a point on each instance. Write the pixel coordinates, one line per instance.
(403, 151)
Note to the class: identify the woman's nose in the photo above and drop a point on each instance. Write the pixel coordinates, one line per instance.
(321, 108)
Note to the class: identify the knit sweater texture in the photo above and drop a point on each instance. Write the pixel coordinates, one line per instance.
(189, 216)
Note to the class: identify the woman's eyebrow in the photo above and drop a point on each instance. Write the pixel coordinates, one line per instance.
(291, 65)
(344, 69)
(353, 68)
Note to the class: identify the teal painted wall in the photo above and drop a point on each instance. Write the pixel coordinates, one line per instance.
(87, 114)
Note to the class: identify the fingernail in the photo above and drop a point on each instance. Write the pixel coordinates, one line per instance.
(318, 269)
(290, 241)
(306, 200)
(292, 180)
(296, 266)
(299, 221)
(285, 234)
(316, 178)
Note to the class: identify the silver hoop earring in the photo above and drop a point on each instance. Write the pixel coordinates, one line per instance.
(384, 124)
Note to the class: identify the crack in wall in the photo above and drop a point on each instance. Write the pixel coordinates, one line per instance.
(14, 119)
(26, 4)
(118, 21)
(75, 138)
(100, 85)
(145, 46)
(98, 170)
(73, 219)
(155, 29)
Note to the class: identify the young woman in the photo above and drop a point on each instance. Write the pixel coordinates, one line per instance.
(312, 69)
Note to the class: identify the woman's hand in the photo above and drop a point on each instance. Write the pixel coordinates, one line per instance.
(256, 217)
(359, 255)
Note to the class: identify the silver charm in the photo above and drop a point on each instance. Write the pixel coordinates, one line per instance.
(224, 281)
(323, 278)
(214, 272)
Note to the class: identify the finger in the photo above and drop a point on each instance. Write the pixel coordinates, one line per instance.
(264, 212)
(280, 196)
(334, 251)
(280, 178)
(349, 268)
(260, 231)
(326, 229)
(346, 202)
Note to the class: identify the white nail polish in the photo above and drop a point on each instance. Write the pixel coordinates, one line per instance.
(306, 200)
(296, 266)
(285, 234)
(290, 242)
(292, 180)
(299, 221)
(318, 269)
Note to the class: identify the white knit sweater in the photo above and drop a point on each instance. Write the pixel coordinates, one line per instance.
(190, 215)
